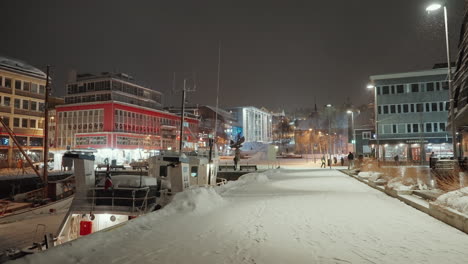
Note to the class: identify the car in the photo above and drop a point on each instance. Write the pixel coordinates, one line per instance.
(143, 164)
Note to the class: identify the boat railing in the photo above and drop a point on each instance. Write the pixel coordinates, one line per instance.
(137, 199)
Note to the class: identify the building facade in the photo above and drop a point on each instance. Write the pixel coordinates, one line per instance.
(362, 130)
(460, 87)
(208, 116)
(84, 88)
(255, 124)
(412, 113)
(22, 93)
(117, 129)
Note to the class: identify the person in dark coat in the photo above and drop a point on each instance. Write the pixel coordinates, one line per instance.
(350, 160)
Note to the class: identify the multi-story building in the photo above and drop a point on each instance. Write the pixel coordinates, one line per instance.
(256, 124)
(118, 126)
(83, 88)
(412, 111)
(363, 130)
(208, 116)
(460, 86)
(22, 93)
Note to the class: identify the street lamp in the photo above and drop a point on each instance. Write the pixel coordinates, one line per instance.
(310, 143)
(352, 127)
(430, 8)
(329, 134)
(377, 152)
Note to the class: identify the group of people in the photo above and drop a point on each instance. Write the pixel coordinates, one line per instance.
(335, 161)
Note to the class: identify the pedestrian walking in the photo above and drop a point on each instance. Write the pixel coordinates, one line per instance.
(342, 161)
(432, 160)
(236, 158)
(350, 160)
(323, 162)
(397, 160)
(335, 160)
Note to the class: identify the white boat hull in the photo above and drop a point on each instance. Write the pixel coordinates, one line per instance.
(60, 205)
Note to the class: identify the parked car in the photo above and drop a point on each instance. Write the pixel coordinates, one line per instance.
(139, 164)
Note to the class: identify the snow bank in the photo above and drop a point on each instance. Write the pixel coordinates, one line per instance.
(371, 175)
(198, 200)
(255, 147)
(397, 185)
(457, 200)
(246, 179)
(259, 156)
(253, 178)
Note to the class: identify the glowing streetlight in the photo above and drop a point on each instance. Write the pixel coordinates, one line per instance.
(376, 150)
(433, 7)
(329, 133)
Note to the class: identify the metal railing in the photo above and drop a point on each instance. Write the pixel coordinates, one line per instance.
(119, 201)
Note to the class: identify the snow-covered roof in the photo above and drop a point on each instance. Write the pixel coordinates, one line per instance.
(20, 67)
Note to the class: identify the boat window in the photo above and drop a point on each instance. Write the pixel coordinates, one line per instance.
(162, 171)
(194, 171)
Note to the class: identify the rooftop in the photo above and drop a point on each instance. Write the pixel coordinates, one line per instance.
(21, 67)
(431, 72)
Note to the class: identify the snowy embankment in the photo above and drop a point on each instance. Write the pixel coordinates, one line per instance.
(370, 175)
(457, 200)
(284, 216)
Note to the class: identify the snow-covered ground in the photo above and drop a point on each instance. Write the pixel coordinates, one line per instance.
(285, 216)
(457, 200)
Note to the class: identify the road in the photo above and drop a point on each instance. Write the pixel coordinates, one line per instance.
(293, 216)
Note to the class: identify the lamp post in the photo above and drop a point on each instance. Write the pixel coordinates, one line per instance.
(430, 8)
(310, 144)
(353, 131)
(377, 152)
(329, 134)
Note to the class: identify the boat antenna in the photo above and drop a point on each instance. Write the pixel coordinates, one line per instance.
(217, 91)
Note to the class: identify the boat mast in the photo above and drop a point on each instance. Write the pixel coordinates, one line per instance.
(217, 92)
(46, 135)
(182, 119)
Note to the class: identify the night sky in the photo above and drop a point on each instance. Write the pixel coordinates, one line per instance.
(277, 54)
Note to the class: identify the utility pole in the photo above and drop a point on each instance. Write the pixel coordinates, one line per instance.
(46, 135)
(329, 134)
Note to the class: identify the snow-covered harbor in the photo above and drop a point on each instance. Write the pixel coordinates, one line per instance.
(296, 216)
